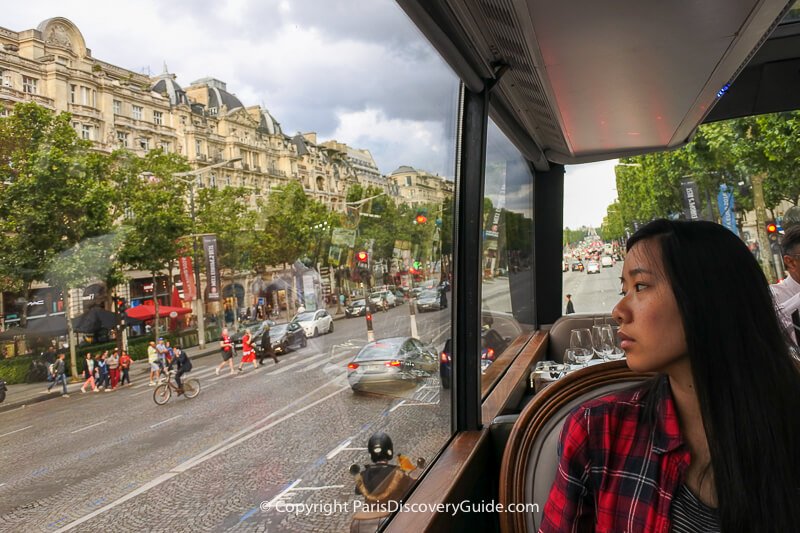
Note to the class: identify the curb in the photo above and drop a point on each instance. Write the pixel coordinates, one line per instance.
(8, 406)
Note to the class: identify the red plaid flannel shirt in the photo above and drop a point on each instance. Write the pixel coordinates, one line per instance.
(616, 472)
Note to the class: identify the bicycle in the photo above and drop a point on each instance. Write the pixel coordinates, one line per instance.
(163, 392)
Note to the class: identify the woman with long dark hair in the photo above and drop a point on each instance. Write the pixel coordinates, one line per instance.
(711, 443)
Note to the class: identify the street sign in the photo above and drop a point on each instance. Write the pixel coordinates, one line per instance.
(343, 237)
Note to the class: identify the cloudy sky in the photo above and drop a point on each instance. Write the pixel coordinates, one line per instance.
(355, 71)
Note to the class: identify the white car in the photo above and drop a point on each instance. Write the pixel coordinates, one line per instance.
(592, 268)
(315, 322)
(606, 261)
(379, 297)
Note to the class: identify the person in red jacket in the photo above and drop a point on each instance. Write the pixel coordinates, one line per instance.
(248, 353)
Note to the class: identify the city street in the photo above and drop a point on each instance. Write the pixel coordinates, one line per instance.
(285, 433)
(594, 293)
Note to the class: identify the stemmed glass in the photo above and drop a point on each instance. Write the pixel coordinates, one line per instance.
(603, 340)
(580, 342)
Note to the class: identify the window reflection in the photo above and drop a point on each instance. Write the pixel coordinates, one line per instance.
(506, 259)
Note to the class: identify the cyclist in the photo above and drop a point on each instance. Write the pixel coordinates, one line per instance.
(184, 366)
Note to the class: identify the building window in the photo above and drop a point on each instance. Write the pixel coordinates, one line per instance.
(198, 147)
(73, 90)
(117, 107)
(137, 112)
(144, 144)
(87, 132)
(30, 85)
(213, 181)
(227, 181)
(165, 146)
(158, 118)
(122, 139)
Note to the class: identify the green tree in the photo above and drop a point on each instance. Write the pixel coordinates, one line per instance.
(54, 195)
(154, 203)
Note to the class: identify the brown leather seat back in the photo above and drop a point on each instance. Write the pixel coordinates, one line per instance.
(530, 460)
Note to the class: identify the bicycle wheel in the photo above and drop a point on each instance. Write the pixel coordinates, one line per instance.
(191, 388)
(162, 394)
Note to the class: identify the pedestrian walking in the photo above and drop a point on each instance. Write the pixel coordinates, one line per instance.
(570, 307)
(266, 347)
(88, 373)
(58, 369)
(125, 362)
(152, 359)
(226, 346)
(248, 353)
(113, 368)
(103, 376)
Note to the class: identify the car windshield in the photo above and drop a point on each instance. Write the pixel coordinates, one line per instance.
(276, 331)
(428, 294)
(304, 317)
(375, 295)
(379, 351)
(359, 303)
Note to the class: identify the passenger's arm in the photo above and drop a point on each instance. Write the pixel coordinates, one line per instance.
(570, 505)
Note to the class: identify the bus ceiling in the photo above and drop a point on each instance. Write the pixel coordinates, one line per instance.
(587, 83)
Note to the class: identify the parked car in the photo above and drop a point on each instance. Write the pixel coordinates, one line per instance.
(390, 363)
(577, 265)
(428, 300)
(607, 261)
(383, 299)
(592, 267)
(256, 329)
(286, 336)
(564, 266)
(315, 322)
(358, 308)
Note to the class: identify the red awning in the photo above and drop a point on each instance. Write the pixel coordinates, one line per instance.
(147, 312)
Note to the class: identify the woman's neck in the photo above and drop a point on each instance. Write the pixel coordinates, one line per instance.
(699, 475)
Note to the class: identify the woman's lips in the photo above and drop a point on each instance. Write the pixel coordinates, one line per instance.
(625, 342)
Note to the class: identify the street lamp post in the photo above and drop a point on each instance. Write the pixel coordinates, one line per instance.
(198, 301)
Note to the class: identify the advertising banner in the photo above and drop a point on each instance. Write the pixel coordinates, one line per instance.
(691, 200)
(212, 267)
(725, 203)
(187, 278)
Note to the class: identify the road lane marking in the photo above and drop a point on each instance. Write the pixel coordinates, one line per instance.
(87, 427)
(280, 494)
(208, 454)
(333, 453)
(165, 421)
(398, 405)
(16, 431)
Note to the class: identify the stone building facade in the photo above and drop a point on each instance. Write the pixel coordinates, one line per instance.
(416, 187)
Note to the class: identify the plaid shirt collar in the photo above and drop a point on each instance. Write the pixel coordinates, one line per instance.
(667, 434)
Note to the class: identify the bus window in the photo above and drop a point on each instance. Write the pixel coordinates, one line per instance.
(506, 255)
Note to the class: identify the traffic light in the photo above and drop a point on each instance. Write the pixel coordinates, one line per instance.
(772, 232)
(420, 218)
(121, 305)
(362, 256)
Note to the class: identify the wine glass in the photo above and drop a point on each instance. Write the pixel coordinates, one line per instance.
(569, 357)
(603, 340)
(580, 341)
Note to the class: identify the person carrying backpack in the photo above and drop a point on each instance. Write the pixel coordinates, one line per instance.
(57, 372)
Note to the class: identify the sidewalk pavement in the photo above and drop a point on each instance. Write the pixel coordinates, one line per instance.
(30, 393)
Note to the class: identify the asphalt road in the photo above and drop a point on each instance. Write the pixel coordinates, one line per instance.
(594, 293)
(284, 434)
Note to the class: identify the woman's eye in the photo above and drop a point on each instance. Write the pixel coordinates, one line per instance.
(639, 286)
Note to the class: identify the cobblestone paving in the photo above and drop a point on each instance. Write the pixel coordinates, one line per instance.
(286, 426)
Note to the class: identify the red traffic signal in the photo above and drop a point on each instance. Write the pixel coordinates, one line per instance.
(362, 256)
(421, 219)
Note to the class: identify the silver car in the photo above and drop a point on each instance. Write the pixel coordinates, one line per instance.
(389, 364)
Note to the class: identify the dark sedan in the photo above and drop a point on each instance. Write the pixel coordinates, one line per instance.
(357, 308)
(255, 329)
(492, 345)
(388, 364)
(287, 336)
(428, 300)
